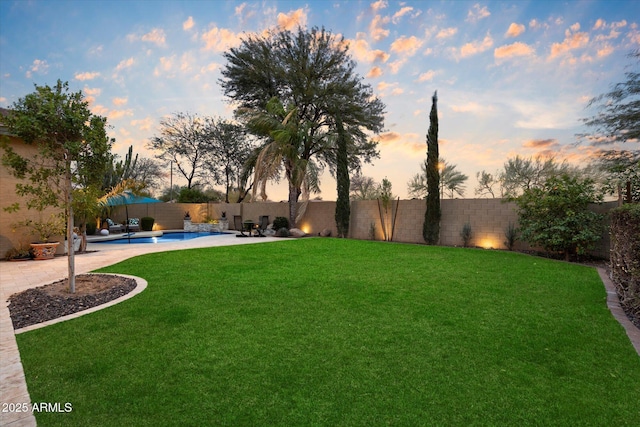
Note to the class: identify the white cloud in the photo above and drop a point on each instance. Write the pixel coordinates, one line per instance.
(40, 66)
(120, 101)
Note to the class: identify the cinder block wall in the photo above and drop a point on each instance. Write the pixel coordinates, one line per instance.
(21, 236)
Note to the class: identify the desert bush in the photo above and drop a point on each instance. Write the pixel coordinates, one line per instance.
(511, 234)
(280, 222)
(466, 234)
(282, 232)
(625, 256)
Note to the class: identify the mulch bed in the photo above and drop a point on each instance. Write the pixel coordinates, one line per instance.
(51, 301)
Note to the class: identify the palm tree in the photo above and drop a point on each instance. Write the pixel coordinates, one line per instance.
(284, 132)
(450, 179)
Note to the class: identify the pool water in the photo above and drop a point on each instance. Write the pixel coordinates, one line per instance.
(165, 238)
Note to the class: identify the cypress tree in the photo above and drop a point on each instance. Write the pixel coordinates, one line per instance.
(431, 226)
(343, 209)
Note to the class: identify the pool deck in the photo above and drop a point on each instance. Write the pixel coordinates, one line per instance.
(18, 276)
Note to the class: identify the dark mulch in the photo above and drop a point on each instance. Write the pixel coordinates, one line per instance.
(51, 301)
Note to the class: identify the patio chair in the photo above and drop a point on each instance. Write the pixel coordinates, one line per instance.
(262, 226)
(239, 226)
(133, 224)
(115, 227)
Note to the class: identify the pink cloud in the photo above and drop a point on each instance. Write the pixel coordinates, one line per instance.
(476, 47)
(407, 45)
(374, 72)
(515, 30)
(292, 20)
(446, 33)
(477, 13)
(86, 76)
(429, 75)
(571, 42)
(188, 24)
(220, 39)
(155, 36)
(513, 50)
(376, 29)
(399, 14)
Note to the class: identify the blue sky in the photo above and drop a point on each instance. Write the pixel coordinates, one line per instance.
(512, 77)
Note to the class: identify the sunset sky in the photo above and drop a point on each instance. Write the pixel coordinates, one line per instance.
(512, 77)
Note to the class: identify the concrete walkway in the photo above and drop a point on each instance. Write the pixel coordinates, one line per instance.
(19, 276)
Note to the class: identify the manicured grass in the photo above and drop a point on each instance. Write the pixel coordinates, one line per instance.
(342, 332)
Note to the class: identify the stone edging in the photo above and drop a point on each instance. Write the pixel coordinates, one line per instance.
(140, 286)
(613, 302)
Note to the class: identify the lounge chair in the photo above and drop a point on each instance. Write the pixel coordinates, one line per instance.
(239, 225)
(115, 227)
(133, 224)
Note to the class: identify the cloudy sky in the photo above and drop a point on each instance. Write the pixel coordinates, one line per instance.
(512, 77)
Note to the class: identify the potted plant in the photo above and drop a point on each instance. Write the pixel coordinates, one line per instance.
(146, 223)
(44, 248)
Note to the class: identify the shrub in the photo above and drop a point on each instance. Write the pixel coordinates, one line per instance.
(466, 235)
(282, 232)
(511, 233)
(280, 222)
(146, 223)
(625, 256)
(556, 216)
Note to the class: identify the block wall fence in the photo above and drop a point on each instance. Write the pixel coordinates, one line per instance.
(489, 218)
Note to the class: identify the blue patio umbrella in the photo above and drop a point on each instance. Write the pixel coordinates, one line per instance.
(127, 198)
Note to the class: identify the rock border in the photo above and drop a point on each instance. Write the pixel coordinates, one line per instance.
(141, 285)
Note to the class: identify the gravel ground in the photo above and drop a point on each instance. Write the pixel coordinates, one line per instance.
(54, 300)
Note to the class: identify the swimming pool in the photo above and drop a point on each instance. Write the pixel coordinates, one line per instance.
(165, 238)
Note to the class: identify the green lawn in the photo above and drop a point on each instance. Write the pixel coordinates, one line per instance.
(342, 332)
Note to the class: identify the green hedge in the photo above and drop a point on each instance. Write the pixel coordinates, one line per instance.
(625, 256)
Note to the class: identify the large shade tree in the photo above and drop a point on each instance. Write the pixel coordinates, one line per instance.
(183, 141)
(310, 74)
(618, 120)
(73, 151)
(231, 148)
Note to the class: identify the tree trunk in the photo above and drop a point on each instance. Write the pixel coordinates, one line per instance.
(70, 250)
(294, 195)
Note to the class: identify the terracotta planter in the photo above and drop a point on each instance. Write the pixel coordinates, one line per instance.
(42, 251)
